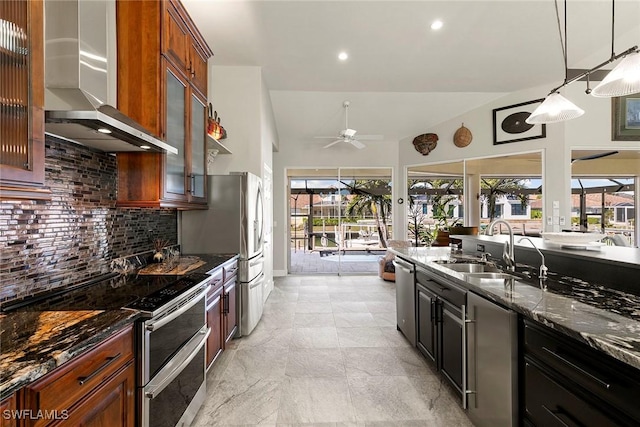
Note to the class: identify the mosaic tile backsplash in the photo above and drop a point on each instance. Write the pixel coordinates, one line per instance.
(52, 244)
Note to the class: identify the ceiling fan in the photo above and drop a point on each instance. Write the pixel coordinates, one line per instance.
(349, 135)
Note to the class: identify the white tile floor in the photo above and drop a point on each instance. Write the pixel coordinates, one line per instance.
(327, 353)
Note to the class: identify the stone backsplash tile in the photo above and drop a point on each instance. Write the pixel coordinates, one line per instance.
(52, 244)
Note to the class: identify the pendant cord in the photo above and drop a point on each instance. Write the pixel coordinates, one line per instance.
(563, 45)
(613, 26)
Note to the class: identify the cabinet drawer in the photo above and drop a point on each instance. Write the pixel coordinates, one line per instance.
(68, 384)
(442, 288)
(600, 375)
(549, 404)
(230, 270)
(217, 278)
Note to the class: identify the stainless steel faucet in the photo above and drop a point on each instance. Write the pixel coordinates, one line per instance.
(507, 251)
(543, 268)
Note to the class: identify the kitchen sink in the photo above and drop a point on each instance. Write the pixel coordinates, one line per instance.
(473, 268)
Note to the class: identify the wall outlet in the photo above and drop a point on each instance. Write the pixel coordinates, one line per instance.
(549, 220)
(479, 248)
(563, 220)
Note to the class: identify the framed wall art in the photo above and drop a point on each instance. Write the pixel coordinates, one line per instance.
(625, 120)
(509, 123)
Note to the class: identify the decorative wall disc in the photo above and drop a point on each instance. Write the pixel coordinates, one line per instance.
(425, 143)
(515, 123)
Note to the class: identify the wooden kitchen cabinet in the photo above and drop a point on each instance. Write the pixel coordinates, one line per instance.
(163, 87)
(94, 389)
(215, 342)
(22, 101)
(230, 312)
(222, 312)
(7, 406)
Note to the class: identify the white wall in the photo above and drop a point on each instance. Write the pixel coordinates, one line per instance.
(235, 93)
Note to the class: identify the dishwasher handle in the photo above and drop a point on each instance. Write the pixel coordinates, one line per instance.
(404, 265)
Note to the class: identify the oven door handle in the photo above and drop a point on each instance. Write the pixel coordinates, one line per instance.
(185, 355)
(160, 323)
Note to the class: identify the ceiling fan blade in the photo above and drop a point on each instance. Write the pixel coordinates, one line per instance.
(357, 144)
(324, 137)
(595, 156)
(370, 137)
(332, 143)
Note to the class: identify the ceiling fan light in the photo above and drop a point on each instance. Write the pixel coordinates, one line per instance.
(349, 133)
(555, 108)
(623, 80)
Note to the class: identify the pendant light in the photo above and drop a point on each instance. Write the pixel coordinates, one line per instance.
(555, 107)
(624, 79)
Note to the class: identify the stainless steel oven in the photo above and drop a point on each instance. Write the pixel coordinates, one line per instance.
(171, 355)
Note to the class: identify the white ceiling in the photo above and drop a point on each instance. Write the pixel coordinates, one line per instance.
(401, 77)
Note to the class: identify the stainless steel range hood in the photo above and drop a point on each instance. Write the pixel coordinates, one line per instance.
(80, 79)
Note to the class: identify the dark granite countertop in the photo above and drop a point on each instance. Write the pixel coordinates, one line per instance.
(605, 319)
(36, 338)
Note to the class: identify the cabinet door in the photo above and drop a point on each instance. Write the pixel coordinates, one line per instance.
(21, 98)
(426, 322)
(175, 40)
(198, 68)
(231, 312)
(111, 405)
(6, 406)
(197, 161)
(451, 341)
(214, 321)
(176, 113)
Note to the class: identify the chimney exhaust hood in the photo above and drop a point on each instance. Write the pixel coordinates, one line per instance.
(80, 79)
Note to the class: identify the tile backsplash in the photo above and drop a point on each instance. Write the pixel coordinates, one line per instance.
(74, 236)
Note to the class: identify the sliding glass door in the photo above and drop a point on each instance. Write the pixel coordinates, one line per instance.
(340, 219)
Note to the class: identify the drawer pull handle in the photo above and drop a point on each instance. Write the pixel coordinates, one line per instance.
(109, 361)
(578, 368)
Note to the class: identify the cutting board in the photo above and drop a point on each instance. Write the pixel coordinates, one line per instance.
(183, 265)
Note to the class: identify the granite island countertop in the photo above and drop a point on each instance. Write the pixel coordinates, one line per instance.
(605, 319)
(36, 338)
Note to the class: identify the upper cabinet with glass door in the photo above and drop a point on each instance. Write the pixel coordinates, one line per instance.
(163, 87)
(21, 100)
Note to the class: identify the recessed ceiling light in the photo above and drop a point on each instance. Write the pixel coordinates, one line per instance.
(145, 147)
(437, 24)
(342, 56)
(104, 130)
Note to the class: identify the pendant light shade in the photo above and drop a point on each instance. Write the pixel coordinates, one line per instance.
(622, 80)
(555, 108)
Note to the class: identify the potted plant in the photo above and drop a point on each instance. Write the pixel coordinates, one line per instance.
(443, 216)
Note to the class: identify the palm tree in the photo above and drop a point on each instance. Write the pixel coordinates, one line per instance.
(372, 197)
(502, 187)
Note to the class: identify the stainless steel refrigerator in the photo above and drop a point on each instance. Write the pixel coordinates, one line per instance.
(234, 223)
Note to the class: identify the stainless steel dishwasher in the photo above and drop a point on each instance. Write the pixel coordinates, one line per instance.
(492, 354)
(406, 298)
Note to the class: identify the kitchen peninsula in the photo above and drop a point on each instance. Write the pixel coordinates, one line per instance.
(581, 327)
